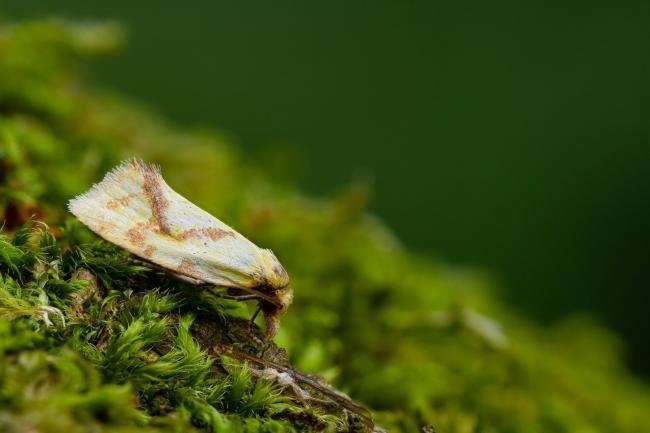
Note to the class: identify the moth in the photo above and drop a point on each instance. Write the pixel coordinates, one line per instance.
(133, 207)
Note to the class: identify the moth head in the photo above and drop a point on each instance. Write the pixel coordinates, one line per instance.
(285, 297)
(272, 312)
(276, 285)
(275, 275)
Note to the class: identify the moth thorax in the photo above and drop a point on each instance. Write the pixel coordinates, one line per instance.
(275, 275)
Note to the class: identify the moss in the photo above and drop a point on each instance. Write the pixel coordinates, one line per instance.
(91, 340)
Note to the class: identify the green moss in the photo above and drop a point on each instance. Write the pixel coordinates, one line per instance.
(91, 340)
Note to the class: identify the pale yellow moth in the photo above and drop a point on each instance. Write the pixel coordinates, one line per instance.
(134, 208)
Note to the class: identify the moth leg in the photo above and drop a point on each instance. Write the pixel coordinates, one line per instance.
(257, 311)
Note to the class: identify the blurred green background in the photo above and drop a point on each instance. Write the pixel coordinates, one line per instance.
(512, 136)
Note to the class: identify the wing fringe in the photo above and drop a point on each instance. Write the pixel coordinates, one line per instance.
(113, 177)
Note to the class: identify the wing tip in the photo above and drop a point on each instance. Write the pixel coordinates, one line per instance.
(140, 165)
(114, 176)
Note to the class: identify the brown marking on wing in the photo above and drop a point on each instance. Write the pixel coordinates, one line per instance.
(153, 191)
(151, 225)
(148, 251)
(122, 201)
(185, 267)
(190, 233)
(135, 236)
(215, 233)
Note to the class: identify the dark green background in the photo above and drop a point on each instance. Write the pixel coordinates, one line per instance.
(513, 136)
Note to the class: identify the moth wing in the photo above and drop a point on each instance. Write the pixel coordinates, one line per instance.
(134, 208)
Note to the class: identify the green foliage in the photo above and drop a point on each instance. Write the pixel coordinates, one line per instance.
(132, 341)
(91, 340)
